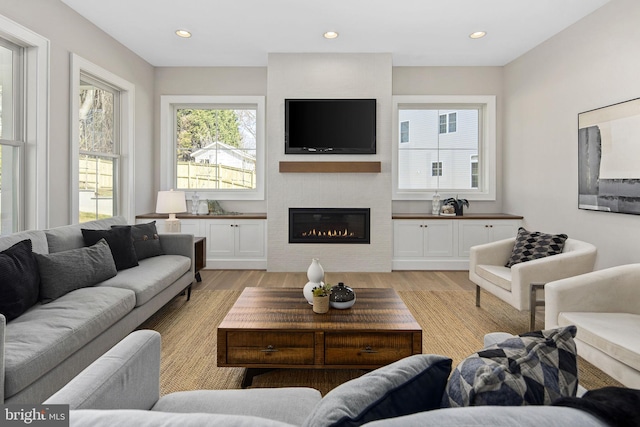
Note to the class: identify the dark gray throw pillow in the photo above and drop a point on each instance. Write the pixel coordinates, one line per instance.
(120, 241)
(19, 279)
(63, 272)
(530, 245)
(146, 240)
(413, 384)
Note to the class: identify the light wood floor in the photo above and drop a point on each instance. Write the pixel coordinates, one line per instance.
(398, 280)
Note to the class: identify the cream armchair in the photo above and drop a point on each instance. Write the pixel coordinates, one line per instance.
(605, 307)
(513, 285)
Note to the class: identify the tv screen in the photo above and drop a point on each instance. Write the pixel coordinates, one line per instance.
(330, 126)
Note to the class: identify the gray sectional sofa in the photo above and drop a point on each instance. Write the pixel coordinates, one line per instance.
(42, 349)
(122, 388)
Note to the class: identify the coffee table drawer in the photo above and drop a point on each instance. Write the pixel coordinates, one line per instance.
(291, 348)
(366, 348)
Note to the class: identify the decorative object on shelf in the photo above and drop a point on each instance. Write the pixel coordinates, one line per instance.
(195, 203)
(435, 203)
(342, 296)
(321, 298)
(448, 210)
(171, 202)
(315, 274)
(458, 204)
(214, 208)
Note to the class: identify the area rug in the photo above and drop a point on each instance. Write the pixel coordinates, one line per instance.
(452, 326)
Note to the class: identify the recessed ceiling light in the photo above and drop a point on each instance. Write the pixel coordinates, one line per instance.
(183, 33)
(330, 35)
(478, 35)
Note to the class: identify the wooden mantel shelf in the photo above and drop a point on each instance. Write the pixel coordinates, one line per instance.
(330, 167)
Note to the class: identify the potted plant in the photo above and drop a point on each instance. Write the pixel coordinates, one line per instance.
(457, 204)
(321, 298)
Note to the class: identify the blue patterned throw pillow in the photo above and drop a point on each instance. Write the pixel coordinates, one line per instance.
(535, 368)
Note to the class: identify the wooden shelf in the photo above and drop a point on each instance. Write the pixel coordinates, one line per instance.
(330, 167)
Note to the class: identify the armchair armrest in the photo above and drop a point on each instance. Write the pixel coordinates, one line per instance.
(493, 253)
(612, 290)
(125, 377)
(3, 325)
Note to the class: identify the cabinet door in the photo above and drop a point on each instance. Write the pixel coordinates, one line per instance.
(472, 233)
(408, 239)
(438, 238)
(504, 230)
(249, 238)
(190, 226)
(220, 238)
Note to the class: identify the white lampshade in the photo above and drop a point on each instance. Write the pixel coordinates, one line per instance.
(171, 202)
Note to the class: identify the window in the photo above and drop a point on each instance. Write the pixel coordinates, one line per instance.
(99, 149)
(446, 132)
(404, 132)
(102, 143)
(213, 146)
(24, 89)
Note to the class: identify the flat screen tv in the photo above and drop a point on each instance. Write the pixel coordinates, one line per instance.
(330, 126)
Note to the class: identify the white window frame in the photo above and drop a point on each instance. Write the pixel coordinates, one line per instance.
(168, 165)
(486, 150)
(33, 206)
(126, 180)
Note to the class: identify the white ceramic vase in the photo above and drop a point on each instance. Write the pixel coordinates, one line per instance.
(315, 274)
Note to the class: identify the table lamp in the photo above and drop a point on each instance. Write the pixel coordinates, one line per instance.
(171, 202)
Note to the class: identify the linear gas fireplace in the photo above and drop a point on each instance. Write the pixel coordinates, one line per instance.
(329, 225)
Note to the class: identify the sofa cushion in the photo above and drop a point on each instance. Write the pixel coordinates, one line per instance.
(271, 403)
(37, 237)
(139, 418)
(535, 368)
(615, 334)
(70, 236)
(120, 241)
(19, 280)
(63, 272)
(495, 274)
(531, 245)
(146, 240)
(47, 334)
(410, 385)
(151, 276)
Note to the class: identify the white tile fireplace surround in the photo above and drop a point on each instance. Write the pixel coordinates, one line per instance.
(329, 76)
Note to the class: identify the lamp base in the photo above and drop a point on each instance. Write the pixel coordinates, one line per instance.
(172, 225)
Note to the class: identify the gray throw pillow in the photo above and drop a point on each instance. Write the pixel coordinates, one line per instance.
(413, 384)
(535, 368)
(146, 241)
(63, 272)
(530, 245)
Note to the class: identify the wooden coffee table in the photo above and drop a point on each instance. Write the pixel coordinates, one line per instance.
(270, 328)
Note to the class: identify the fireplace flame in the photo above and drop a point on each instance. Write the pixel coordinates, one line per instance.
(329, 233)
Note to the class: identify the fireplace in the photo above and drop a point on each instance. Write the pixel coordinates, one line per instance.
(329, 225)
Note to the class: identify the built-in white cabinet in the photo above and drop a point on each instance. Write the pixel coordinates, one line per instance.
(444, 243)
(232, 243)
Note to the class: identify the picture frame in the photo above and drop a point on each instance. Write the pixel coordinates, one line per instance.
(609, 158)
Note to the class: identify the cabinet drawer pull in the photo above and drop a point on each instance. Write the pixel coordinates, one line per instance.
(369, 350)
(269, 349)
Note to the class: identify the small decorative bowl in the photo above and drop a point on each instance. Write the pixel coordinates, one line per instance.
(342, 296)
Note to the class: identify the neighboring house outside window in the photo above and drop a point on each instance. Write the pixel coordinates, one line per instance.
(452, 148)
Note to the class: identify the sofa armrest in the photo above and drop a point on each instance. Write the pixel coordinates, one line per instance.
(3, 326)
(125, 377)
(179, 244)
(612, 290)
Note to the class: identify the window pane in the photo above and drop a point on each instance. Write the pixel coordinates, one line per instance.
(8, 188)
(404, 132)
(7, 97)
(216, 149)
(97, 119)
(452, 122)
(96, 180)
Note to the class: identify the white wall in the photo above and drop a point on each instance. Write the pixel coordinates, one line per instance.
(328, 76)
(69, 33)
(592, 64)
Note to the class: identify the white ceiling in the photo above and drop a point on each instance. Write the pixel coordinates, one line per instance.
(415, 32)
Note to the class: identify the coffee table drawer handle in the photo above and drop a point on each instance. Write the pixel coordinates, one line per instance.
(369, 350)
(269, 349)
